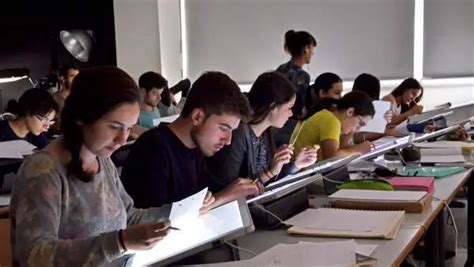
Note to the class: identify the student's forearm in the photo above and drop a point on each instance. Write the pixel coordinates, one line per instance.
(396, 120)
(366, 136)
(359, 148)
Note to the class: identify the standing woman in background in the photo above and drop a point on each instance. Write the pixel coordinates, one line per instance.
(408, 93)
(300, 45)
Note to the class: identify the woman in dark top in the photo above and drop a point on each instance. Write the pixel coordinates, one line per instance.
(252, 152)
(300, 45)
(34, 111)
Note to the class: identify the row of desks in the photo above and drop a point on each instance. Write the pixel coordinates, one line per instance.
(414, 227)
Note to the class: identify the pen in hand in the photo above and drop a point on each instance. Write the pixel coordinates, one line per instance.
(173, 228)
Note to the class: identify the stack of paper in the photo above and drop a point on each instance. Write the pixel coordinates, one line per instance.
(441, 155)
(409, 201)
(337, 254)
(444, 144)
(15, 149)
(331, 222)
(377, 195)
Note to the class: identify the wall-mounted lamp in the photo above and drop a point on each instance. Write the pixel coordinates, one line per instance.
(78, 43)
(12, 75)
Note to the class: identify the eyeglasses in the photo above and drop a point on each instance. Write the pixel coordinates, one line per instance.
(45, 120)
(362, 123)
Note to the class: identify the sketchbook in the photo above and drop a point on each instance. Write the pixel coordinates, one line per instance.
(332, 222)
(409, 201)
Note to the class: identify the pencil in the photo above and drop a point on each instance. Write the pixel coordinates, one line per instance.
(297, 134)
(174, 228)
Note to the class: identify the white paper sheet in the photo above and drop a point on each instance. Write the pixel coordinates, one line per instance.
(377, 123)
(15, 149)
(338, 253)
(336, 220)
(186, 210)
(365, 249)
(178, 96)
(168, 119)
(214, 225)
(4, 200)
(334, 254)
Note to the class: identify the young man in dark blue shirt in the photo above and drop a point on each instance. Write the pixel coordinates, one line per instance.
(166, 164)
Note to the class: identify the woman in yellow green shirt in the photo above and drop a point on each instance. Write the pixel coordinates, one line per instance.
(324, 128)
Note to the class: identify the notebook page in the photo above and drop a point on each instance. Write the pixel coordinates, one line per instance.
(338, 253)
(214, 225)
(186, 210)
(377, 123)
(343, 220)
(15, 149)
(334, 254)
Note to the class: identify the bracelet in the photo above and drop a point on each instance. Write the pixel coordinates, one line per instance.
(122, 244)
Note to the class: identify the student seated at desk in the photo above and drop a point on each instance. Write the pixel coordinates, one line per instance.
(252, 151)
(166, 163)
(69, 207)
(324, 128)
(151, 85)
(404, 100)
(370, 85)
(35, 112)
(66, 75)
(326, 85)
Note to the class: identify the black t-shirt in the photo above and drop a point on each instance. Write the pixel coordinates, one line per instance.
(7, 134)
(160, 169)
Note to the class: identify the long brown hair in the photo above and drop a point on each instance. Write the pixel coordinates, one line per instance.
(94, 93)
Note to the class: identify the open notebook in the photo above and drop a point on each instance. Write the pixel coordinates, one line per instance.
(332, 222)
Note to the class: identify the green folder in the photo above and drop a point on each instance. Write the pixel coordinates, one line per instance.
(436, 172)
